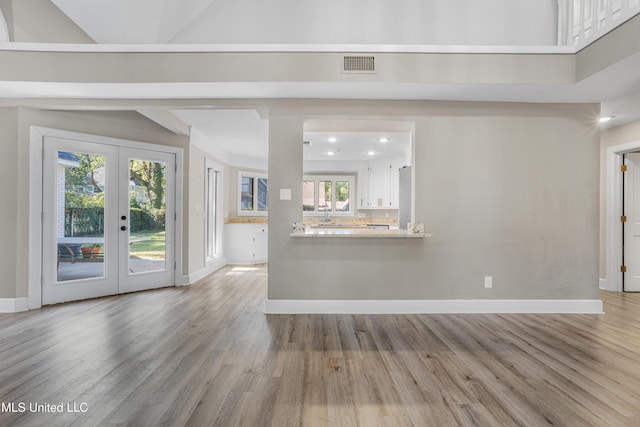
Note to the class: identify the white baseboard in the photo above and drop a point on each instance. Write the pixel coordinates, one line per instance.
(13, 305)
(603, 284)
(275, 306)
(203, 272)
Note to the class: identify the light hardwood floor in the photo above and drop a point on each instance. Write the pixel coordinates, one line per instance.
(207, 355)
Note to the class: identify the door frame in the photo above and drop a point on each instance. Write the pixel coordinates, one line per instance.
(613, 210)
(36, 138)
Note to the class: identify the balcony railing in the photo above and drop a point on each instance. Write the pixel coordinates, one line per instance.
(580, 22)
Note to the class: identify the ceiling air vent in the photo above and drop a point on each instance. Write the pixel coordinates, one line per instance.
(358, 64)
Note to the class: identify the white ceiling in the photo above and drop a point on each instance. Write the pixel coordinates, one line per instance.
(234, 133)
(238, 135)
(463, 22)
(132, 21)
(355, 146)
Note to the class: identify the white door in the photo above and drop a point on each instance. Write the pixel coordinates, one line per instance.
(80, 198)
(108, 220)
(146, 219)
(632, 225)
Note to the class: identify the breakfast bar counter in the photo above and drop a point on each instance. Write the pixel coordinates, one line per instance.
(356, 232)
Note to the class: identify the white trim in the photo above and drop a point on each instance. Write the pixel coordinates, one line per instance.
(613, 211)
(37, 135)
(179, 179)
(274, 306)
(100, 139)
(34, 275)
(211, 267)
(331, 48)
(219, 208)
(603, 284)
(13, 305)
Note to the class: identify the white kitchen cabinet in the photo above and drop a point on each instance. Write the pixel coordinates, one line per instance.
(394, 184)
(246, 243)
(260, 243)
(363, 187)
(378, 185)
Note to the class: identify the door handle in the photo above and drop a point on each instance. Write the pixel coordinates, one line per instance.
(123, 228)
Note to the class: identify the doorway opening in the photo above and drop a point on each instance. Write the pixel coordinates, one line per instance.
(617, 256)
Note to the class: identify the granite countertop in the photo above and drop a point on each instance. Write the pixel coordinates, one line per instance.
(247, 220)
(357, 232)
(340, 225)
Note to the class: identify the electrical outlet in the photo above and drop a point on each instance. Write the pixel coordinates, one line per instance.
(488, 281)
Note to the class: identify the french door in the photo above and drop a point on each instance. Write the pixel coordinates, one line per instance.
(108, 220)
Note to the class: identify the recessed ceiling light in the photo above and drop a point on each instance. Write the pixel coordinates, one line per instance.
(332, 139)
(371, 153)
(383, 139)
(605, 119)
(331, 153)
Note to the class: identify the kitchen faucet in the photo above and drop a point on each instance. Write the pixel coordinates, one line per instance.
(326, 214)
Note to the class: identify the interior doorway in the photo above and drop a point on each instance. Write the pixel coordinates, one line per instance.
(617, 248)
(108, 223)
(631, 223)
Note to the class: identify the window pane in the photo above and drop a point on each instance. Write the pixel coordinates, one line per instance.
(81, 189)
(262, 194)
(342, 196)
(324, 196)
(147, 216)
(308, 196)
(246, 201)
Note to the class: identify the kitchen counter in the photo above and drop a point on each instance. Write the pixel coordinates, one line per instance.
(247, 220)
(357, 232)
(330, 225)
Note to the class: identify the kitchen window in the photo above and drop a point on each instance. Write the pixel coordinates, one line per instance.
(328, 194)
(252, 194)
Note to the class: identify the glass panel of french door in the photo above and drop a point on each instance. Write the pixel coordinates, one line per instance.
(146, 219)
(80, 198)
(79, 240)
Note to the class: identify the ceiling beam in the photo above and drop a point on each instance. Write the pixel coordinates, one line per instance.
(167, 120)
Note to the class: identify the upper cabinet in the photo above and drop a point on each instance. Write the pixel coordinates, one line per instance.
(378, 184)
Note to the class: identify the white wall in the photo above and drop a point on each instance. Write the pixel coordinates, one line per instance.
(460, 22)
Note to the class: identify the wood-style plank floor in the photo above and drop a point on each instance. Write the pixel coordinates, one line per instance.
(207, 355)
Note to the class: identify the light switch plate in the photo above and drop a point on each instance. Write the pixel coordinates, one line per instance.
(285, 194)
